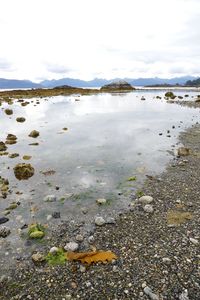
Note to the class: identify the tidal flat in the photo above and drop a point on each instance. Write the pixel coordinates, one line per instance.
(95, 156)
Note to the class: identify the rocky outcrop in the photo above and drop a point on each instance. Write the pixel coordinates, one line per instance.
(117, 86)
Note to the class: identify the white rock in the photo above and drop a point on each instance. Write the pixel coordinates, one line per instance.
(166, 260)
(194, 241)
(82, 269)
(148, 208)
(53, 250)
(50, 198)
(49, 217)
(99, 221)
(145, 199)
(79, 238)
(71, 246)
(184, 295)
(101, 201)
(150, 294)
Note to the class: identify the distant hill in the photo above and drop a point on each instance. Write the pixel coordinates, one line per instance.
(15, 84)
(99, 82)
(96, 82)
(195, 82)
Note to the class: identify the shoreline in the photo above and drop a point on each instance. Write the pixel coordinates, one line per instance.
(150, 252)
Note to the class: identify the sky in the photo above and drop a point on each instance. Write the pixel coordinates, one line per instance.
(86, 39)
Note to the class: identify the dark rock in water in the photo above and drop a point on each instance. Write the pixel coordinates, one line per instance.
(3, 147)
(34, 134)
(3, 220)
(4, 231)
(11, 139)
(120, 85)
(20, 119)
(23, 171)
(56, 214)
(8, 111)
(170, 95)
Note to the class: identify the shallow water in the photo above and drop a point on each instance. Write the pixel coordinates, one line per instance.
(109, 139)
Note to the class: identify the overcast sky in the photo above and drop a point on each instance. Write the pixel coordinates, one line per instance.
(84, 39)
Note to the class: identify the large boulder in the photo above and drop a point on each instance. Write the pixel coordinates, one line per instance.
(117, 86)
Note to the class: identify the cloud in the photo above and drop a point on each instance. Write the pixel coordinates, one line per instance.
(5, 65)
(58, 69)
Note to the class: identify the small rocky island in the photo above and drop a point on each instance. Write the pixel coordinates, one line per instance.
(117, 86)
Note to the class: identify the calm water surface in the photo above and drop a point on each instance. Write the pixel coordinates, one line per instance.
(109, 139)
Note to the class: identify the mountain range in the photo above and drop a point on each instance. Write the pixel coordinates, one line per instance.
(97, 82)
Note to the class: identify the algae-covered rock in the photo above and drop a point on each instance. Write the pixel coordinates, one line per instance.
(36, 231)
(8, 111)
(34, 134)
(120, 85)
(11, 139)
(13, 155)
(20, 119)
(183, 151)
(3, 147)
(170, 95)
(23, 171)
(36, 234)
(27, 157)
(38, 257)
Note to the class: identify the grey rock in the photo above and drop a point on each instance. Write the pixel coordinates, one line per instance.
(110, 220)
(4, 231)
(56, 214)
(91, 239)
(184, 295)
(101, 201)
(50, 198)
(82, 269)
(79, 238)
(194, 241)
(148, 208)
(99, 221)
(145, 199)
(150, 294)
(71, 246)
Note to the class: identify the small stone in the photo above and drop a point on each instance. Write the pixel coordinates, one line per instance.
(99, 221)
(50, 198)
(38, 257)
(91, 239)
(184, 295)
(150, 294)
(145, 199)
(49, 217)
(84, 210)
(166, 260)
(71, 246)
(115, 269)
(110, 220)
(82, 269)
(53, 250)
(4, 231)
(148, 208)
(56, 214)
(79, 238)
(101, 201)
(194, 241)
(88, 284)
(8, 111)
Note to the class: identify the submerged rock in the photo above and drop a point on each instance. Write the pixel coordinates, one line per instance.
(50, 198)
(11, 139)
(8, 111)
(23, 171)
(34, 134)
(38, 257)
(20, 119)
(4, 231)
(120, 85)
(13, 155)
(148, 208)
(3, 147)
(3, 220)
(145, 199)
